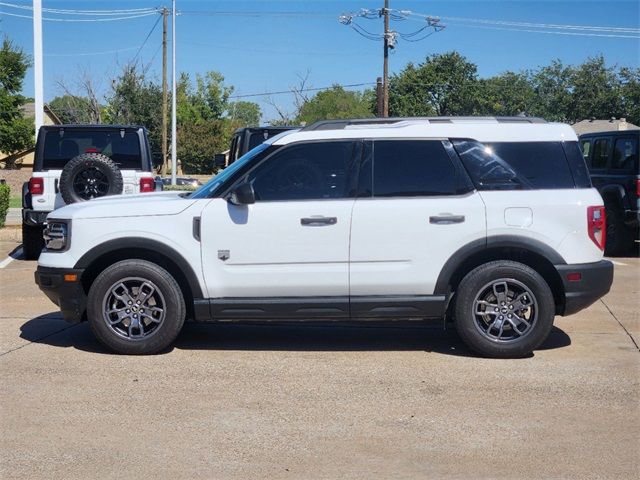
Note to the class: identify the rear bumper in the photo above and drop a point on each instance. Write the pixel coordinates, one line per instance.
(68, 295)
(34, 217)
(595, 282)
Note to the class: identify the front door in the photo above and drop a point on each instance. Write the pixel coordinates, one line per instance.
(287, 255)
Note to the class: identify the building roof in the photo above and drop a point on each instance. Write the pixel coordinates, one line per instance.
(593, 125)
(29, 110)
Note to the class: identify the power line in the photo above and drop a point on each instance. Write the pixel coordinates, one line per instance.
(265, 94)
(80, 12)
(135, 58)
(49, 19)
(105, 52)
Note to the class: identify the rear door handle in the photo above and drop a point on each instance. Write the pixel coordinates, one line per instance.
(318, 221)
(446, 219)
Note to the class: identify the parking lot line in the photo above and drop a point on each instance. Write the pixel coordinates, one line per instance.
(12, 256)
(620, 264)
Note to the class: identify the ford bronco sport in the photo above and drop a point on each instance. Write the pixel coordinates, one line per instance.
(75, 163)
(490, 222)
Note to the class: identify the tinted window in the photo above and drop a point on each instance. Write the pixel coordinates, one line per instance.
(311, 171)
(600, 153)
(585, 146)
(409, 168)
(625, 154)
(256, 138)
(515, 165)
(123, 150)
(577, 164)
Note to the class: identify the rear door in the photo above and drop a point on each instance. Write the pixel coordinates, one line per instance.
(419, 209)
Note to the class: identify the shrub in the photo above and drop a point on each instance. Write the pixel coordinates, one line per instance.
(4, 203)
(179, 188)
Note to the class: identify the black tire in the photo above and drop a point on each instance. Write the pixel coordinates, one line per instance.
(167, 295)
(32, 241)
(90, 175)
(619, 235)
(516, 276)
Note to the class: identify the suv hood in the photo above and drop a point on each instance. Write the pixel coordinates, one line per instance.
(144, 204)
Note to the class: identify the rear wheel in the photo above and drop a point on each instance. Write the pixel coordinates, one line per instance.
(135, 307)
(504, 309)
(32, 241)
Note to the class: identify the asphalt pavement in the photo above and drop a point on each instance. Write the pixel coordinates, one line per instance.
(316, 402)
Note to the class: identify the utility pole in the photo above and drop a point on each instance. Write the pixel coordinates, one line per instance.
(37, 63)
(379, 101)
(165, 93)
(174, 134)
(385, 68)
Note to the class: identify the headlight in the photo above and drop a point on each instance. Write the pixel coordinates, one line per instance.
(56, 235)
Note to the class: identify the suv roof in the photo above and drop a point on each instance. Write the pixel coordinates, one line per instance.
(95, 126)
(609, 133)
(488, 129)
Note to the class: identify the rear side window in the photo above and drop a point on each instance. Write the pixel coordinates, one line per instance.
(577, 164)
(600, 153)
(625, 154)
(516, 165)
(59, 148)
(412, 168)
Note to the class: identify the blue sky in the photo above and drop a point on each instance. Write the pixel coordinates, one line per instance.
(267, 53)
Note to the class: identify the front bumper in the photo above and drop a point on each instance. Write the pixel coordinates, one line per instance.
(595, 282)
(68, 295)
(34, 217)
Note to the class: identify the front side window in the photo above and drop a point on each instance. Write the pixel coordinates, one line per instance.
(600, 153)
(310, 171)
(625, 154)
(412, 168)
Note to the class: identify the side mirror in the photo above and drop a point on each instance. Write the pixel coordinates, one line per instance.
(242, 195)
(220, 160)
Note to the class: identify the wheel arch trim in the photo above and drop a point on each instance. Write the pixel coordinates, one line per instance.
(479, 246)
(152, 246)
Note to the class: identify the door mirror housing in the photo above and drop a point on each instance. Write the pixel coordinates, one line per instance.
(242, 194)
(220, 160)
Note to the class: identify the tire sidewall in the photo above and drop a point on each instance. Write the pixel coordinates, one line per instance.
(175, 307)
(86, 161)
(470, 287)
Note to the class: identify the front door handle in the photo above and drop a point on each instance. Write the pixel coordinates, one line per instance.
(446, 219)
(318, 221)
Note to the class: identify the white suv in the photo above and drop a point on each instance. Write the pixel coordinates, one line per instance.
(490, 222)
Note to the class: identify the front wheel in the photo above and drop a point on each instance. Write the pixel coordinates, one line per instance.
(136, 307)
(504, 309)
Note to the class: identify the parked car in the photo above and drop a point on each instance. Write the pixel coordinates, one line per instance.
(191, 182)
(76, 163)
(612, 158)
(491, 222)
(244, 139)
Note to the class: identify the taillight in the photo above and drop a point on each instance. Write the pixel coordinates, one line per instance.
(638, 187)
(36, 186)
(597, 226)
(147, 185)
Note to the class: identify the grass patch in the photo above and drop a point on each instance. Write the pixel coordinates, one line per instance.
(15, 202)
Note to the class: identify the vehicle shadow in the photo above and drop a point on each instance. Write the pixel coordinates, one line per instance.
(51, 329)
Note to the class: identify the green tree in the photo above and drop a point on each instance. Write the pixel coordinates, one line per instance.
(16, 132)
(246, 113)
(335, 103)
(73, 109)
(507, 94)
(552, 87)
(595, 91)
(444, 84)
(630, 93)
(134, 99)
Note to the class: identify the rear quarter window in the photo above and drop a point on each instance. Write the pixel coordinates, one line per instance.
(517, 165)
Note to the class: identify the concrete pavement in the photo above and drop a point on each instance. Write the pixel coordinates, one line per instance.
(281, 401)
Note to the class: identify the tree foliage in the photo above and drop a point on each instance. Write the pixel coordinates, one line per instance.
(335, 103)
(16, 132)
(73, 109)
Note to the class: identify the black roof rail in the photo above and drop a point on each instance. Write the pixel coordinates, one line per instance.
(344, 123)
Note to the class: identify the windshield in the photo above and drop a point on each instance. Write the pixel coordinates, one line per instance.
(209, 188)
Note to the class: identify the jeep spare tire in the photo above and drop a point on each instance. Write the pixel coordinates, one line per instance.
(90, 175)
